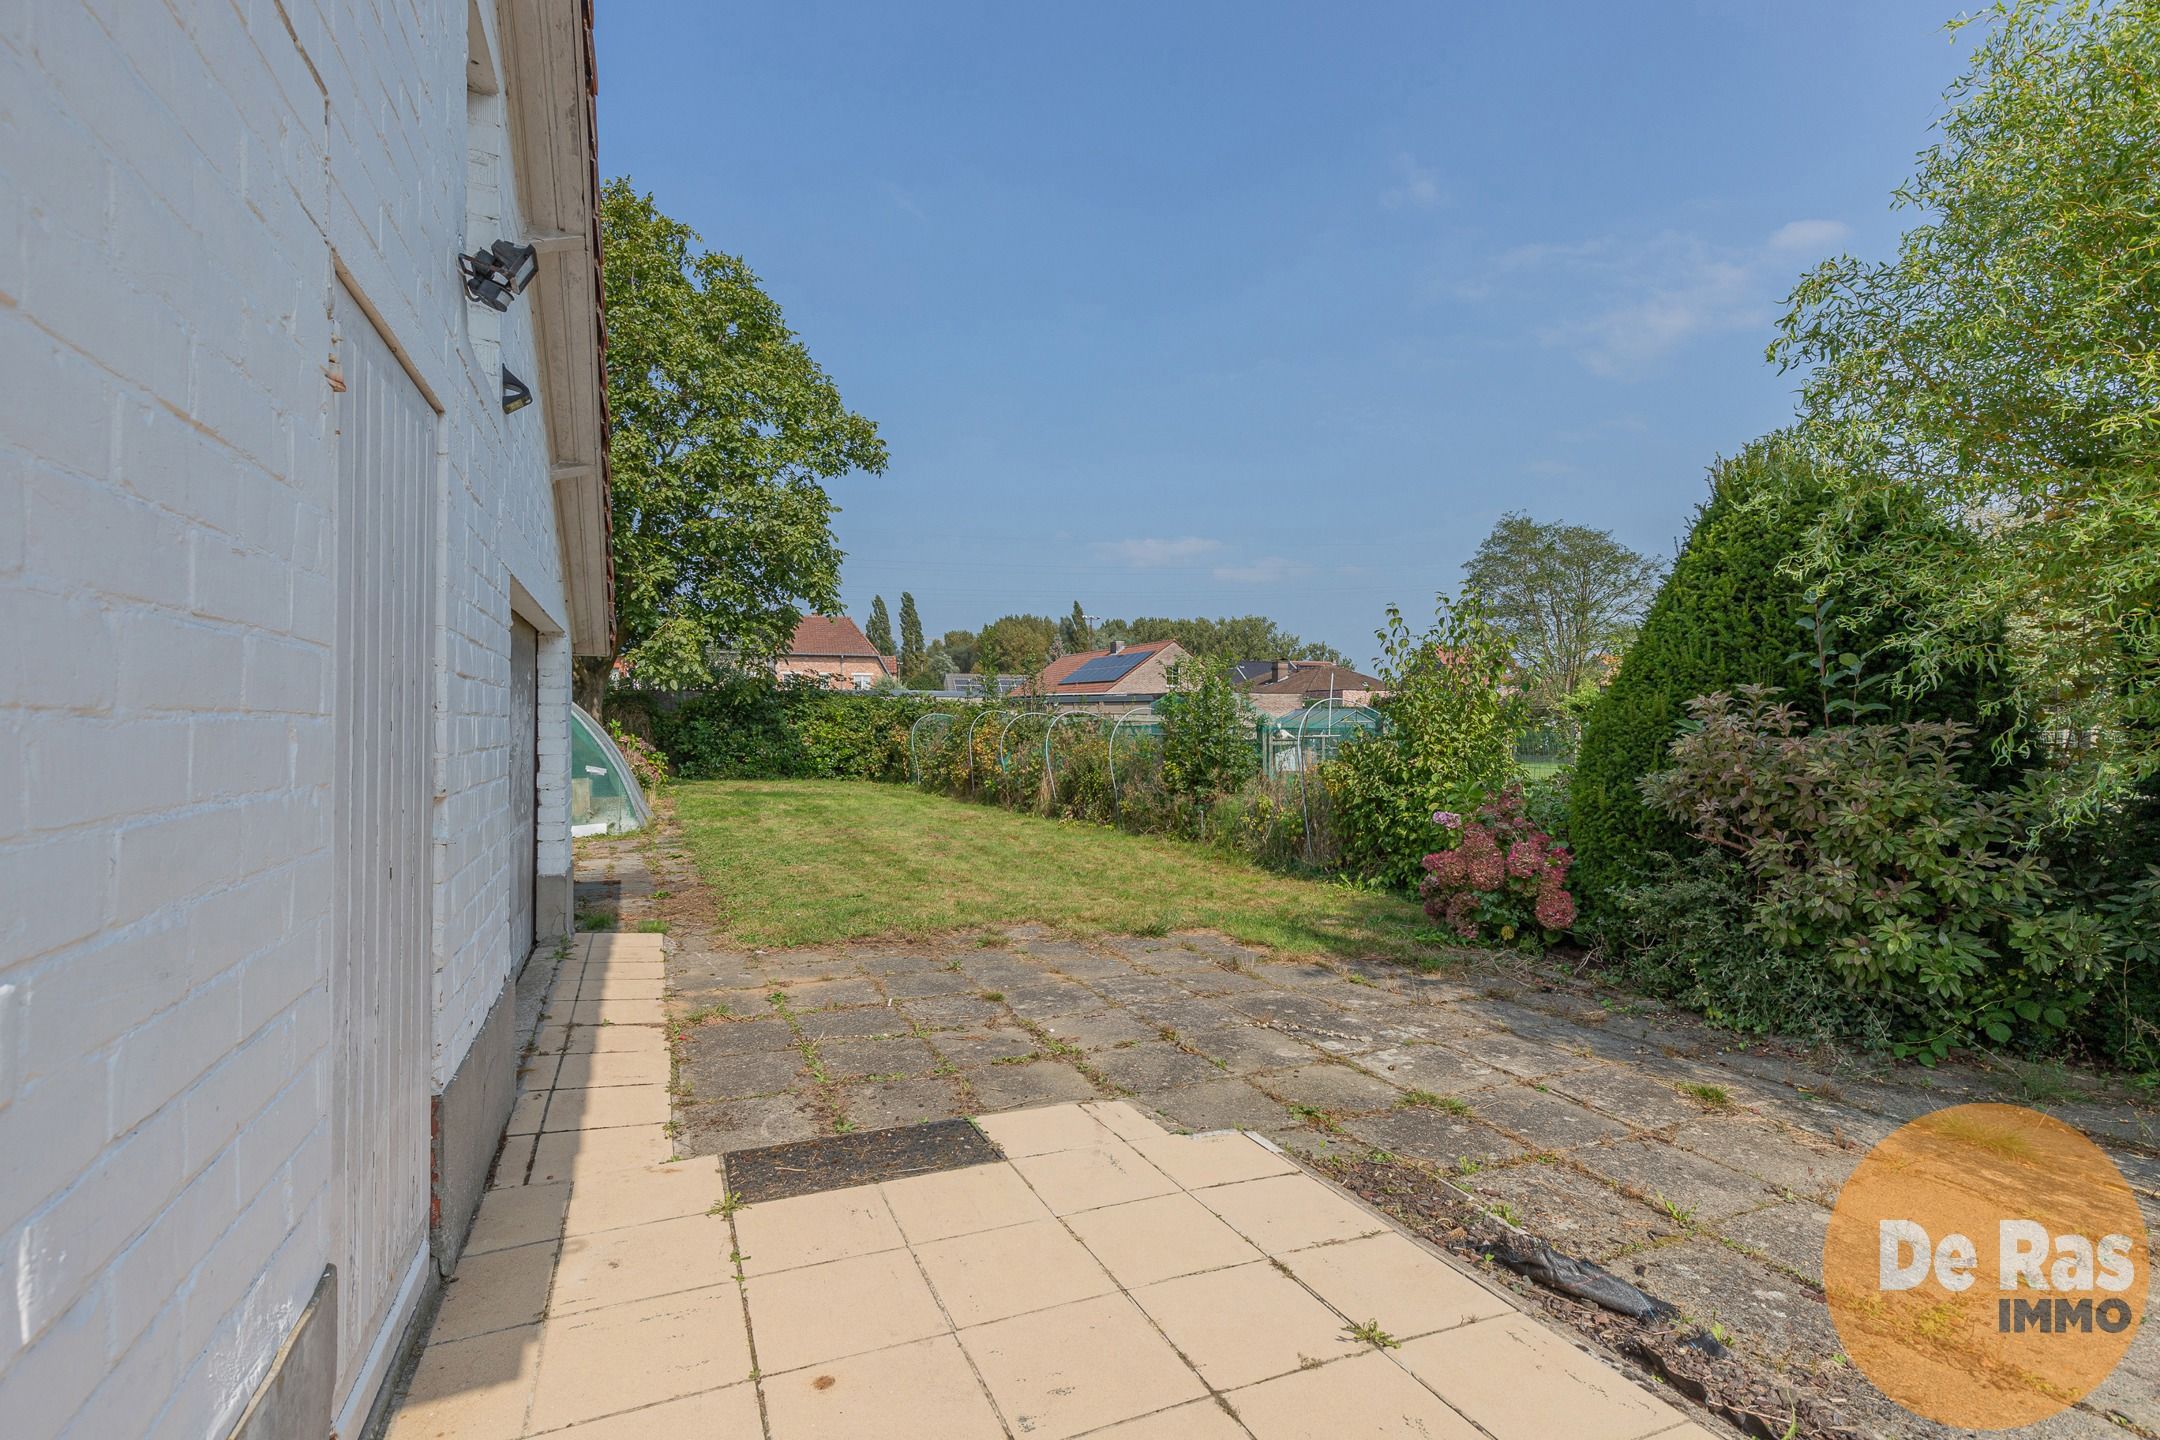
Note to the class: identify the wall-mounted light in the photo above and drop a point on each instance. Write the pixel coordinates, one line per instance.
(516, 393)
(499, 274)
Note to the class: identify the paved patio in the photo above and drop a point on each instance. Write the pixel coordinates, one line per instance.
(1699, 1169)
(1105, 1278)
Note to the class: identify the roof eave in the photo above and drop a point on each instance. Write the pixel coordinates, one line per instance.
(548, 63)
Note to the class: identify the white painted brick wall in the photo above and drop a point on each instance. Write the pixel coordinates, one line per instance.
(173, 180)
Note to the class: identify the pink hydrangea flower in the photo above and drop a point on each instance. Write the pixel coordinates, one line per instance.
(1524, 859)
(1446, 866)
(1555, 908)
(1485, 865)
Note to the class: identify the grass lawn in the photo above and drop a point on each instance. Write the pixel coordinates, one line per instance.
(809, 862)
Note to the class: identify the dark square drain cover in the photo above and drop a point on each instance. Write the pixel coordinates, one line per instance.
(805, 1167)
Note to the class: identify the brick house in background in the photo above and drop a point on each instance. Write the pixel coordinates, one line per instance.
(834, 649)
(1284, 687)
(297, 541)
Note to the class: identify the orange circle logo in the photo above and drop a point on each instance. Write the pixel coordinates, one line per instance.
(1986, 1266)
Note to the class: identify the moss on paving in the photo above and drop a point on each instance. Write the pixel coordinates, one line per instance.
(813, 862)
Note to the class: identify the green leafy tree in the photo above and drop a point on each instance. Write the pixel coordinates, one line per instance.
(928, 670)
(1564, 595)
(911, 636)
(1075, 634)
(2004, 368)
(1449, 742)
(879, 631)
(723, 433)
(1207, 731)
(1021, 644)
(960, 645)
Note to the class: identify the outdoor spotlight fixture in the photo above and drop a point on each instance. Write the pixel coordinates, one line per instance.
(499, 274)
(516, 393)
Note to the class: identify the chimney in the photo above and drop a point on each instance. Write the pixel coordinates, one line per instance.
(1281, 670)
(1116, 646)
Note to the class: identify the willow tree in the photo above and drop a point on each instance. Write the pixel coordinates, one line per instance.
(724, 433)
(2003, 369)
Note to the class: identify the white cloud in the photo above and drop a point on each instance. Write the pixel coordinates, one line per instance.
(1153, 553)
(1266, 570)
(1629, 303)
(1694, 291)
(1416, 188)
(1809, 237)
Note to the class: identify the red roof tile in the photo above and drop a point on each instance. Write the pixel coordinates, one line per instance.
(831, 637)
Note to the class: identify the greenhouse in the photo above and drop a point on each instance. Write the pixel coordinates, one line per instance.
(605, 798)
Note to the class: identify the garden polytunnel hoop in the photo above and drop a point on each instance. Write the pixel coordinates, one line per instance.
(1012, 718)
(919, 743)
(980, 716)
(1050, 770)
(1318, 736)
(1134, 723)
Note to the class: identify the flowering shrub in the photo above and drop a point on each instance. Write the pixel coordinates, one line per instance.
(1504, 881)
(1867, 850)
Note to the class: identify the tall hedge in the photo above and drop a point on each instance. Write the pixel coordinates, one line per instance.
(748, 728)
(1728, 615)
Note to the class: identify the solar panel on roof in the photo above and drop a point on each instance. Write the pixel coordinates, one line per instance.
(1105, 668)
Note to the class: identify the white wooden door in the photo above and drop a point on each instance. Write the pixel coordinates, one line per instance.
(382, 973)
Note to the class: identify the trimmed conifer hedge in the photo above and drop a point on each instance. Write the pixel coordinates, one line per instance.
(1729, 614)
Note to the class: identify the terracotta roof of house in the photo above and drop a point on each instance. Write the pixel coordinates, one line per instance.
(831, 637)
(1053, 675)
(1306, 677)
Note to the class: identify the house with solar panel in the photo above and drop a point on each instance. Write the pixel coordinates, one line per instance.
(1123, 677)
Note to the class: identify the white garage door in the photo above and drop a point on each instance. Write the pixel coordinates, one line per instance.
(381, 976)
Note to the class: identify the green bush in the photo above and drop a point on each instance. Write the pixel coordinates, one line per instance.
(1449, 742)
(1211, 793)
(1207, 731)
(648, 762)
(2112, 863)
(1546, 803)
(1264, 821)
(1734, 612)
(1683, 934)
(1869, 853)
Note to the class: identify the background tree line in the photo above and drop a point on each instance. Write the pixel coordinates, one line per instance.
(1022, 644)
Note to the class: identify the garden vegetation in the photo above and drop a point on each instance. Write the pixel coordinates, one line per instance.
(1881, 763)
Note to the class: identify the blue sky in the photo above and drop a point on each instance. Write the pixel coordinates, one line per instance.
(1221, 308)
